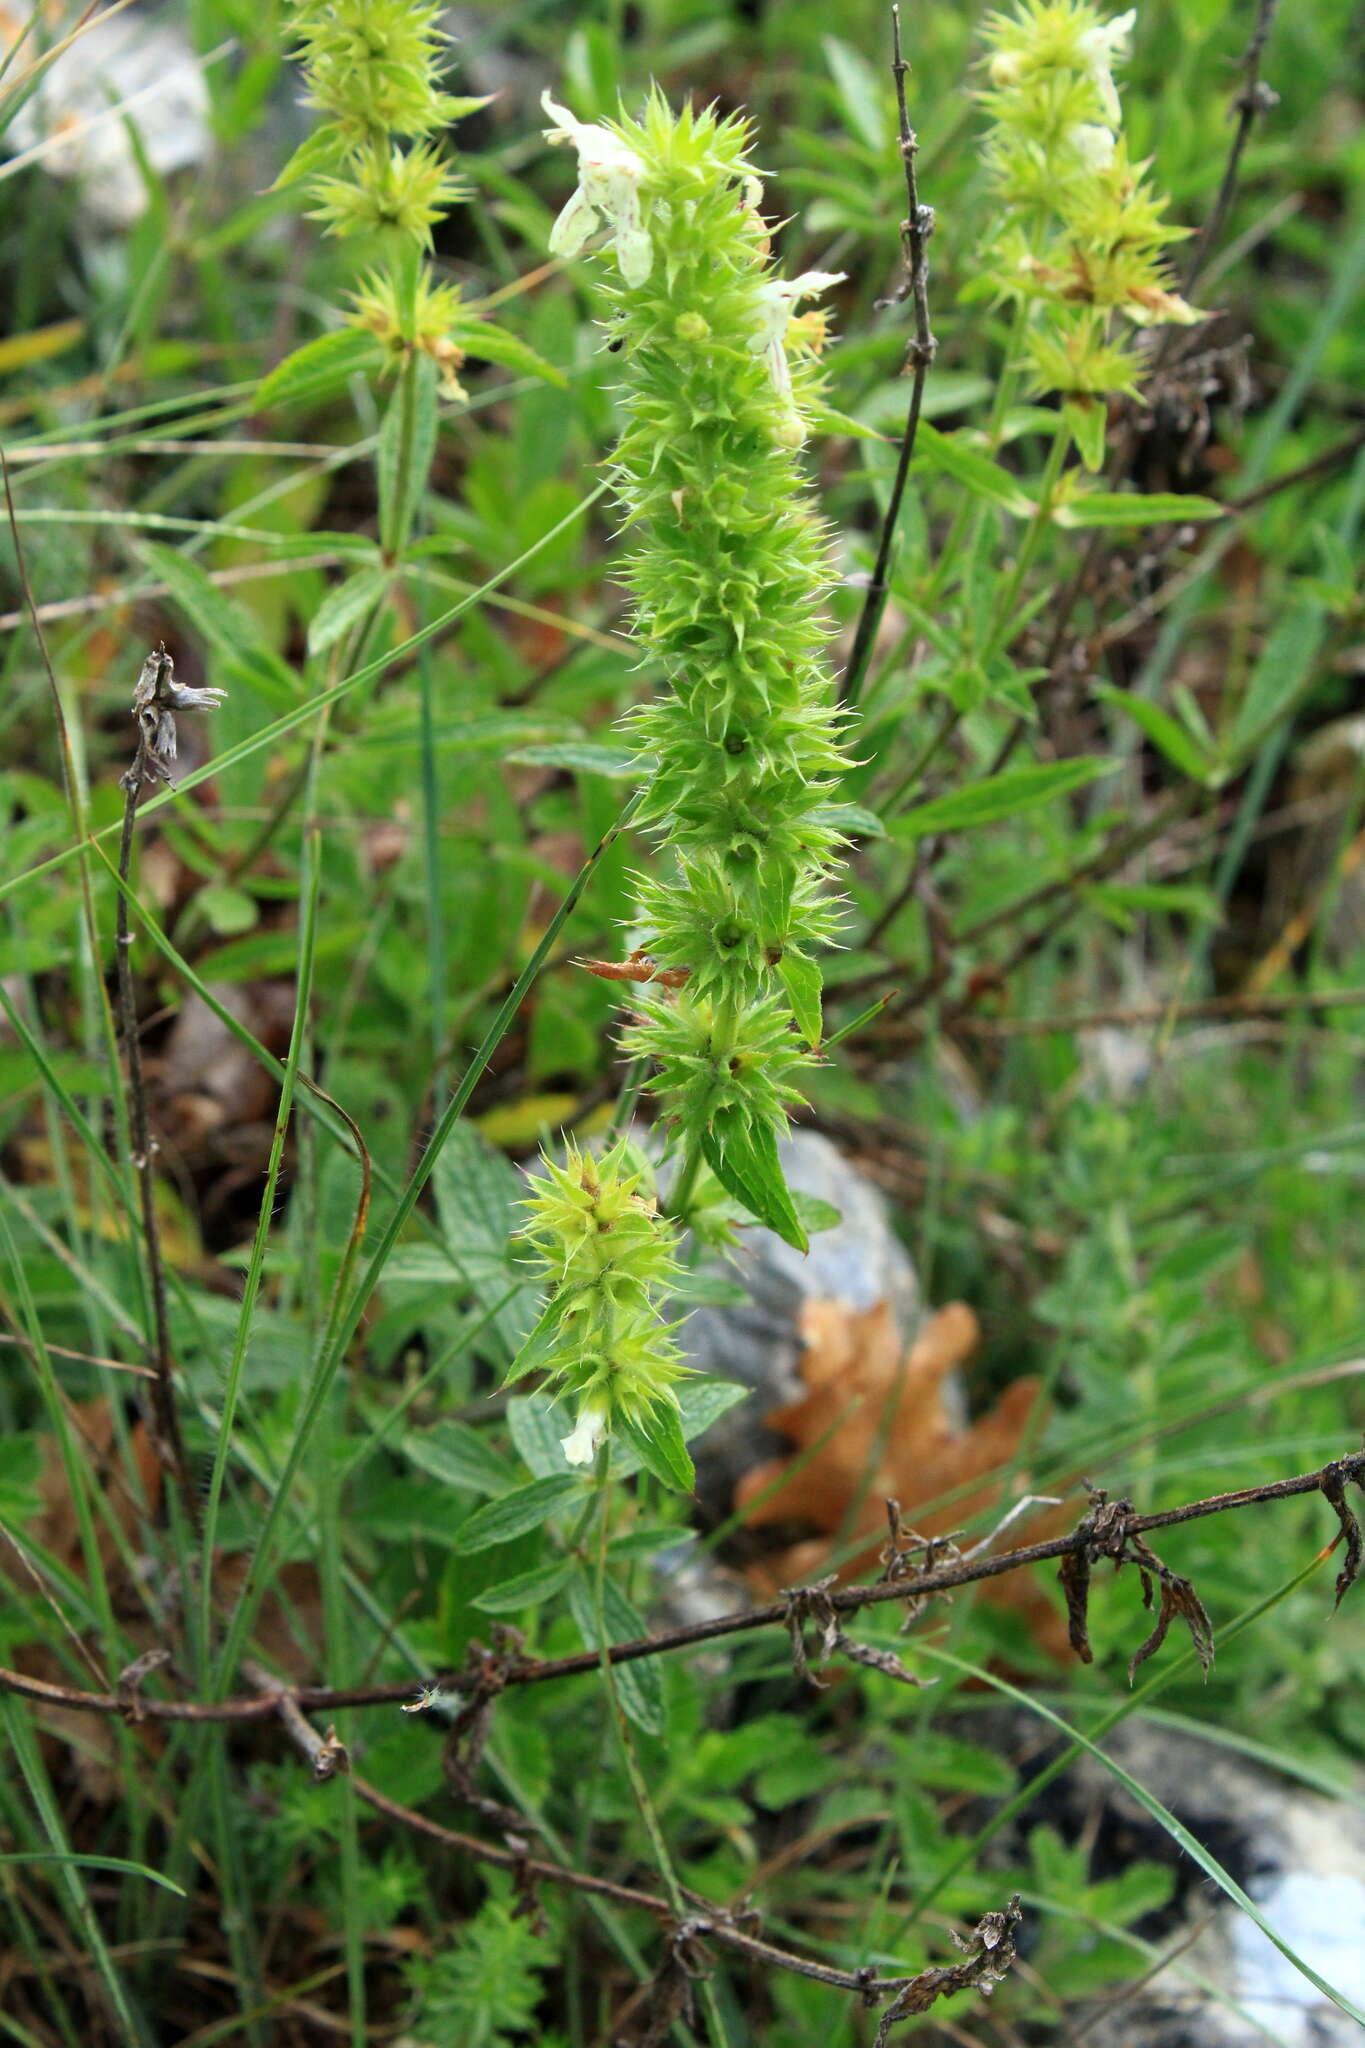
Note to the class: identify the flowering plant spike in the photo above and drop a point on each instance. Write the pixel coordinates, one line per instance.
(740, 755)
(1080, 242)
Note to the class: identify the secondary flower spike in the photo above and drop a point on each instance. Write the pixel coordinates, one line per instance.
(1079, 242)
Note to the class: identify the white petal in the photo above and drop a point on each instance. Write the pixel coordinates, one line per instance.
(566, 128)
(635, 254)
(575, 224)
(580, 1446)
(1093, 144)
(811, 283)
(779, 369)
(634, 251)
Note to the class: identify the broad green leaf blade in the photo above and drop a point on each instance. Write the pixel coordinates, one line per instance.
(702, 1400)
(743, 1157)
(972, 468)
(478, 1200)
(1125, 508)
(527, 1589)
(320, 151)
(407, 442)
(225, 624)
(346, 606)
(863, 94)
(1000, 796)
(801, 979)
(489, 344)
(815, 1214)
(453, 1452)
(511, 1516)
(639, 1685)
(538, 1432)
(1285, 666)
(622, 764)
(1087, 420)
(1179, 745)
(657, 1440)
(855, 820)
(319, 368)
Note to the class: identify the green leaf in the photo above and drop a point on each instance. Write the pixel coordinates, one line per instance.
(743, 1157)
(1000, 796)
(971, 467)
(622, 764)
(478, 1202)
(527, 1589)
(853, 819)
(639, 1686)
(1179, 746)
(489, 344)
(527, 1508)
(801, 979)
(538, 1434)
(320, 367)
(862, 94)
(117, 1863)
(407, 442)
(320, 151)
(1169, 899)
(828, 420)
(345, 606)
(228, 910)
(1086, 421)
(1285, 665)
(453, 1452)
(702, 1400)
(226, 625)
(657, 1440)
(1133, 508)
(815, 1215)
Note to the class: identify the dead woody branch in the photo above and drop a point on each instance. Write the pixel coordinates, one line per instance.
(1117, 1536)
(156, 699)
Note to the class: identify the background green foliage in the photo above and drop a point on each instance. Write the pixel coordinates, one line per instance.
(365, 855)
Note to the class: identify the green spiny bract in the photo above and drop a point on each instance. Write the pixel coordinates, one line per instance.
(608, 1257)
(727, 573)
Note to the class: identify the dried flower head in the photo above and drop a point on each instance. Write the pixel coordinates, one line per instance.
(157, 697)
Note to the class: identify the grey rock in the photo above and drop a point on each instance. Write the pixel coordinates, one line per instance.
(860, 1261)
(1299, 1854)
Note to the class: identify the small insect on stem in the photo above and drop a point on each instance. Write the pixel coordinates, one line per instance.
(639, 967)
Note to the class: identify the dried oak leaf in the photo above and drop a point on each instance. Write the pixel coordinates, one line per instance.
(884, 1432)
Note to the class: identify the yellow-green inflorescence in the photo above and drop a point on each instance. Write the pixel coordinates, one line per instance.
(375, 165)
(1081, 237)
(609, 1257)
(740, 754)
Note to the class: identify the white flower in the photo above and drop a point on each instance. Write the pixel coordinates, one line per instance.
(777, 300)
(580, 1446)
(1093, 145)
(608, 190)
(1099, 49)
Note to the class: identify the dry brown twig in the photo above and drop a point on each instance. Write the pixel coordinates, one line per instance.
(156, 699)
(1329, 1480)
